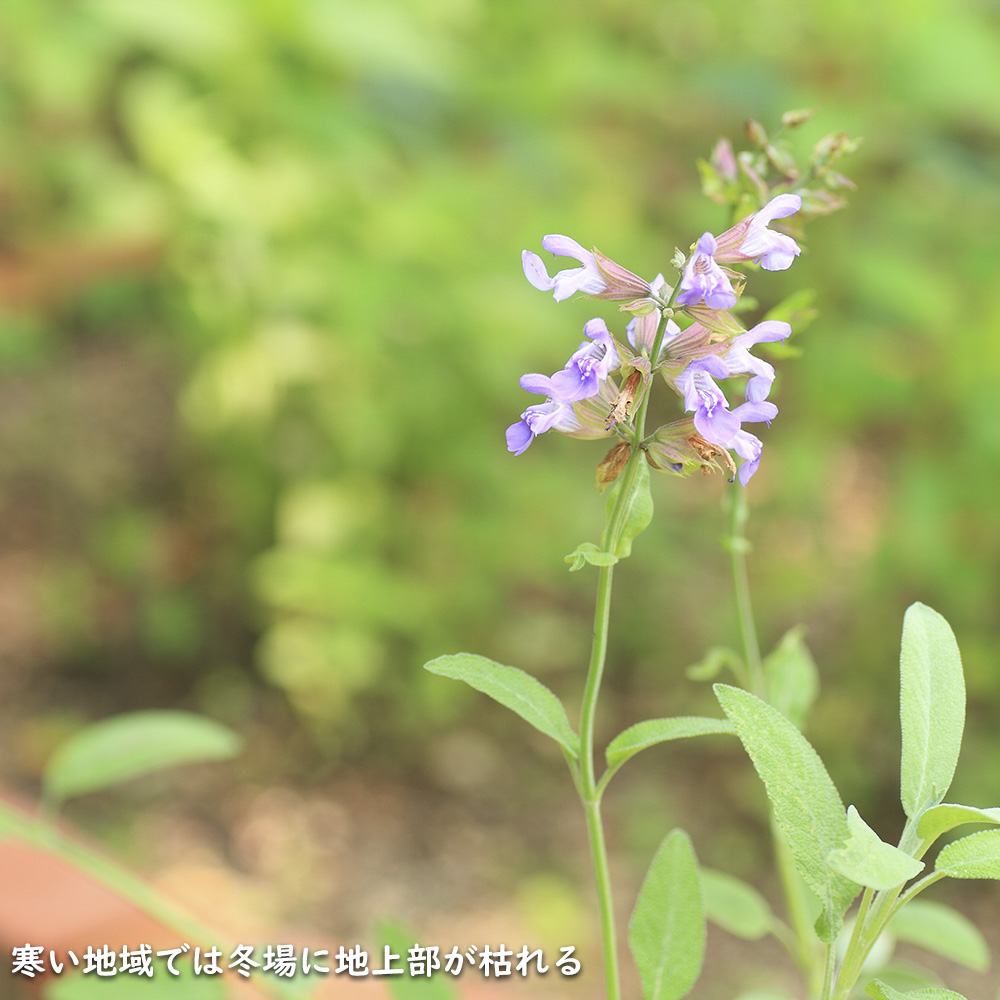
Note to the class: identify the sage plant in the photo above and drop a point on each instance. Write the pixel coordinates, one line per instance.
(690, 333)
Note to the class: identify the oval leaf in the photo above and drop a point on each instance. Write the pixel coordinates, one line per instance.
(638, 510)
(133, 745)
(653, 731)
(931, 708)
(515, 689)
(940, 819)
(883, 991)
(943, 931)
(975, 856)
(735, 906)
(869, 860)
(667, 929)
(805, 801)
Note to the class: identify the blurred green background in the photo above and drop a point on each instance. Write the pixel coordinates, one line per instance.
(261, 322)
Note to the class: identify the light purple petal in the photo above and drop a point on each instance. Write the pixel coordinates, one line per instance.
(565, 246)
(756, 412)
(519, 436)
(779, 207)
(718, 426)
(536, 272)
(767, 331)
(541, 384)
(706, 244)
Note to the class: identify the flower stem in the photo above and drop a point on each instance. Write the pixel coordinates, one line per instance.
(738, 547)
(588, 786)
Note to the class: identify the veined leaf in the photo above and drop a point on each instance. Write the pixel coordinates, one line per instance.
(517, 690)
(869, 860)
(931, 708)
(883, 991)
(667, 929)
(944, 817)
(638, 509)
(975, 856)
(134, 745)
(805, 801)
(943, 931)
(646, 734)
(735, 906)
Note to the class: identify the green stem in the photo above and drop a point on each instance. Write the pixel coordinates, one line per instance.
(588, 787)
(738, 547)
(830, 969)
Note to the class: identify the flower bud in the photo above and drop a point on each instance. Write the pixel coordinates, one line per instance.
(793, 119)
(755, 132)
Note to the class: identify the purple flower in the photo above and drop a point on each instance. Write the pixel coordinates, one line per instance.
(564, 283)
(739, 360)
(704, 279)
(712, 417)
(588, 367)
(750, 239)
(537, 419)
(599, 275)
(748, 446)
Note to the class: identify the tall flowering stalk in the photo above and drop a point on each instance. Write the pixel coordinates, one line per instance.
(691, 335)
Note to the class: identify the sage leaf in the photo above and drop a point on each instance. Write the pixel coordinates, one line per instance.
(883, 991)
(975, 856)
(133, 745)
(931, 708)
(646, 734)
(943, 931)
(806, 804)
(638, 510)
(735, 906)
(513, 688)
(667, 929)
(869, 860)
(944, 817)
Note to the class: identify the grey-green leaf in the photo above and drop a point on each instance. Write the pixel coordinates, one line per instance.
(805, 801)
(946, 816)
(931, 708)
(646, 734)
(132, 746)
(517, 690)
(975, 856)
(638, 509)
(883, 991)
(735, 906)
(791, 676)
(667, 929)
(869, 860)
(943, 931)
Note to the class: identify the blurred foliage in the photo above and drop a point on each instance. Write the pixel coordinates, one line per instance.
(262, 318)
